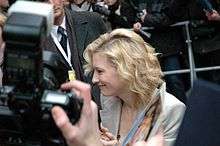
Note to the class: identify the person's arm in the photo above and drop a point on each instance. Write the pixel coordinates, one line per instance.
(159, 17)
(167, 13)
(86, 131)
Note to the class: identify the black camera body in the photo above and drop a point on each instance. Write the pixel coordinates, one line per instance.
(29, 87)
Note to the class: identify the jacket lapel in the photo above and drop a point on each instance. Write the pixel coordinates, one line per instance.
(159, 122)
(81, 33)
(75, 39)
(51, 46)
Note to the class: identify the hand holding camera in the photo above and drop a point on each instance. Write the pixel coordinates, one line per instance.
(86, 128)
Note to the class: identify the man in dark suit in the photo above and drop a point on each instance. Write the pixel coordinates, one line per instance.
(200, 125)
(80, 28)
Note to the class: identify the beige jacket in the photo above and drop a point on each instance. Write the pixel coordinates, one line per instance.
(170, 117)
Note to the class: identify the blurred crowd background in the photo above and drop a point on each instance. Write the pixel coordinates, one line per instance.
(169, 42)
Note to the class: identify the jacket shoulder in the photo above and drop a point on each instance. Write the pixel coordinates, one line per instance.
(86, 16)
(172, 112)
(171, 101)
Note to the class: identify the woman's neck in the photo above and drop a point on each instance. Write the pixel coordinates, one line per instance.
(130, 100)
(128, 115)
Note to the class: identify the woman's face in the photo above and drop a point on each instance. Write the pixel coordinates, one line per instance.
(110, 2)
(106, 76)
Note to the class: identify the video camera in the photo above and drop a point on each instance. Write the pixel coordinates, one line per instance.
(29, 87)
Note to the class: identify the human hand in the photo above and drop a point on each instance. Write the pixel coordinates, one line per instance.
(107, 138)
(212, 16)
(137, 26)
(144, 15)
(157, 140)
(85, 132)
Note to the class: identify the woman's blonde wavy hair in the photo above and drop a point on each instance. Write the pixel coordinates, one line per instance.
(134, 59)
(2, 20)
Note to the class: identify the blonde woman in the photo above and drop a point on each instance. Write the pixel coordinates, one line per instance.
(135, 104)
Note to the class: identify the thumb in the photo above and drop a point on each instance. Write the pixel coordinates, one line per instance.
(62, 122)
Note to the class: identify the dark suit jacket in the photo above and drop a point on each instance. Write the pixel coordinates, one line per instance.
(82, 29)
(200, 125)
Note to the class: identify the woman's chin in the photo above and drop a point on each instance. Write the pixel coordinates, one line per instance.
(105, 93)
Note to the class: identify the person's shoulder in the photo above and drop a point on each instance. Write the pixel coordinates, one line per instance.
(90, 14)
(93, 17)
(86, 15)
(171, 101)
(172, 115)
(172, 107)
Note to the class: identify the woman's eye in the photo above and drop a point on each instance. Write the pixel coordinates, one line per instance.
(99, 71)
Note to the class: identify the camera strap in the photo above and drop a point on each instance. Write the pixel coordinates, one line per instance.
(67, 57)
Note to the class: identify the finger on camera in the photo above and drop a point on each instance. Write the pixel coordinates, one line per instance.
(79, 86)
(62, 121)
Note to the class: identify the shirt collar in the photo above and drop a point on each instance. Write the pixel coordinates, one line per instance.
(55, 27)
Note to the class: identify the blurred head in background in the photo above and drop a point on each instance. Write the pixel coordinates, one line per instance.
(58, 7)
(4, 4)
(2, 44)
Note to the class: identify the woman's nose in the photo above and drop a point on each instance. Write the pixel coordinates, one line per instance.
(95, 78)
